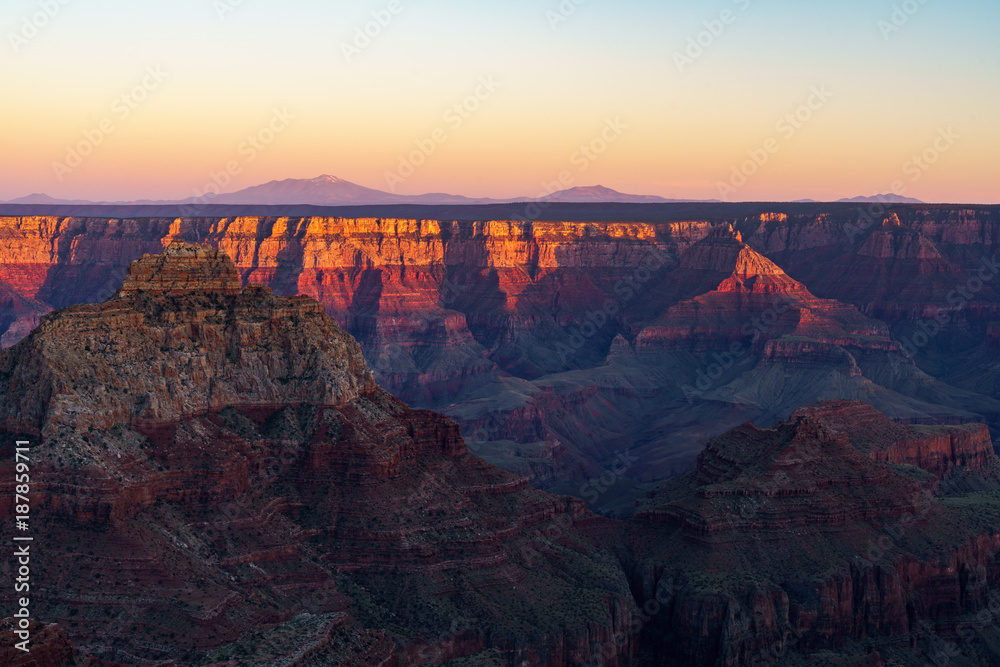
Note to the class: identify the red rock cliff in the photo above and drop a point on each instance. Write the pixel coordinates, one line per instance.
(801, 538)
(210, 460)
(936, 449)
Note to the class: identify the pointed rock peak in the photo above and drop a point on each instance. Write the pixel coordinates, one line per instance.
(751, 263)
(723, 251)
(620, 345)
(754, 273)
(183, 267)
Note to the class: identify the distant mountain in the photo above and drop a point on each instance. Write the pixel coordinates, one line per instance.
(881, 199)
(333, 191)
(40, 198)
(325, 190)
(599, 193)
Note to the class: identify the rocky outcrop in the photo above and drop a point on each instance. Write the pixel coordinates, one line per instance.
(214, 345)
(936, 449)
(181, 269)
(803, 473)
(212, 460)
(310, 639)
(894, 263)
(909, 609)
(47, 646)
(800, 539)
(750, 300)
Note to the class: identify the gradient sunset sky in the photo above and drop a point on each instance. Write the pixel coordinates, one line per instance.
(562, 75)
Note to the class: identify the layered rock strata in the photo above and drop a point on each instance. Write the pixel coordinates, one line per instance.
(210, 460)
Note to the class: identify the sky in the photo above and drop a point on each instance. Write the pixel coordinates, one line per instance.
(742, 100)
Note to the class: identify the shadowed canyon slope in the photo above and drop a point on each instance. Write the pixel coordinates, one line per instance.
(218, 475)
(558, 345)
(824, 536)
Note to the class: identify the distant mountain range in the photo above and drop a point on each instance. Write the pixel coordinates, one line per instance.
(883, 199)
(875, 199)
(332, 191)
(39, 198)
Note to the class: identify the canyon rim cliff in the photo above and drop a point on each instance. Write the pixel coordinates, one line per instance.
(559, 343)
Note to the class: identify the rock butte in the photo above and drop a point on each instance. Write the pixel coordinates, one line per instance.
(183, 267)
(211, 460)
(802, 538)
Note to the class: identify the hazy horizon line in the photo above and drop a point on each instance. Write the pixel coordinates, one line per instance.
(456, 192)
